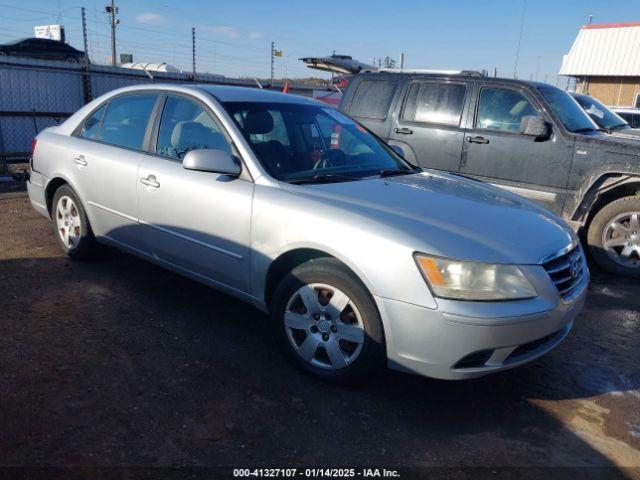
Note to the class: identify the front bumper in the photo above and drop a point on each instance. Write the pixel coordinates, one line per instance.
(460, 340)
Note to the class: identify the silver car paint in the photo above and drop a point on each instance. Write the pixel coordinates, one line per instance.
(226, 233)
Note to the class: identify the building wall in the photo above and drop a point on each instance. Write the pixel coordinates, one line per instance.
(615, 91)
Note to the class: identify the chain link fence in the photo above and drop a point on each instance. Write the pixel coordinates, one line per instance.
(36, 94)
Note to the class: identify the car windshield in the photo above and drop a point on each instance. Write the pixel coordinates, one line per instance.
(600, 114)
(568, 110)
(300, 143)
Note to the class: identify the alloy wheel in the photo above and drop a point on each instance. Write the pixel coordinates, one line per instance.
(621, 239)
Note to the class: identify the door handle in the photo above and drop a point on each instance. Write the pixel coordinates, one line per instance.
(403, 131)
(80, 160)
(478, 139)
(150, 181)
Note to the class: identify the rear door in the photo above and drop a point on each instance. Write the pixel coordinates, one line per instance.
(429, 125)
(496, 152)
(105, 154)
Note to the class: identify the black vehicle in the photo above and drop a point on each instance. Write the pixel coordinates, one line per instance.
(605, 118)
(42, 48)
(527, 137)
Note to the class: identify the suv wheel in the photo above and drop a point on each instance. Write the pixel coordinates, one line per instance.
(327, 322)
(70, 223)
(614, 237)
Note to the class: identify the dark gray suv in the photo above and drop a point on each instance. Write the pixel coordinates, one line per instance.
(527, 137)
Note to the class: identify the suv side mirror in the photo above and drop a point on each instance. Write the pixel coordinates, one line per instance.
(535, 126)
(212, 160)
(398, 149)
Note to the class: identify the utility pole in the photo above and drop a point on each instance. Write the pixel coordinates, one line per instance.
(86, 83)
(112, 10)
(590, 19)
(193, 51)
(273, 51)
(402, 61)
(524, 10)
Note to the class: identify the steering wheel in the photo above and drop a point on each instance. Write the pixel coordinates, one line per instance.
(331, 158)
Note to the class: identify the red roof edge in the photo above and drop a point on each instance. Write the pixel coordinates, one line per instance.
(594, 26)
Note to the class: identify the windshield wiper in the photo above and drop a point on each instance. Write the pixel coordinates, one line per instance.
(390, 172)
(324, 178)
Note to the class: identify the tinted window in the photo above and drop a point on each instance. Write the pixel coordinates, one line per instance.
(501, 109)
(125, 122)
(434, 103)
(186, 126)
(567, 110)
(318, 141)
(93, 124)
(372, 99)
(600, 114)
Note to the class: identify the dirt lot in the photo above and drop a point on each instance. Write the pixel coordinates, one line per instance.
(119, 363)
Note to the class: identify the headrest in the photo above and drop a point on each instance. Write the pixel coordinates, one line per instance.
(190, 133)
(258, 121)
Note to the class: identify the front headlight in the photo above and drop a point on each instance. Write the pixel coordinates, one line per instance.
(462, 280)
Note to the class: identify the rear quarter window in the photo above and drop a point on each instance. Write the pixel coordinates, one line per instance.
(372, 99)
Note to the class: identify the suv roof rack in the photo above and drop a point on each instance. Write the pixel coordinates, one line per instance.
(471, 73)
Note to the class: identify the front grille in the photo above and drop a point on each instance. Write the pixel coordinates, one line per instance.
(567, 273)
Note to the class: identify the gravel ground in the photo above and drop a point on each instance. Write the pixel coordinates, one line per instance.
(116, 362)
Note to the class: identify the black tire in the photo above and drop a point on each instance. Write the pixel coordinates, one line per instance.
(86, 244)
(331, 272)
(597, 230)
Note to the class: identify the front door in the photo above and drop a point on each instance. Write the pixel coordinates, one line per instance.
(496, 152)
(197, 221)
(429, 125)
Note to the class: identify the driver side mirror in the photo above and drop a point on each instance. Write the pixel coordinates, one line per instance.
(212, 160)
(535, 126)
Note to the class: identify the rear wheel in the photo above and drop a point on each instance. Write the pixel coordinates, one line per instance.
(614, 237)
(327, 322)
(70, 224)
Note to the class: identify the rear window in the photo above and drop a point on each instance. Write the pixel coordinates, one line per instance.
(372, 99)
(434, 103)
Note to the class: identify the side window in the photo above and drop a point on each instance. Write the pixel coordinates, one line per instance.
(186, 126)
(502, 109)
(434, 103)
(93, 124)
(125, 122)
(372, 99)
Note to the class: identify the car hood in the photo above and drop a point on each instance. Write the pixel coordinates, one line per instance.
(621, 143)
(628, 133)
(451, 216)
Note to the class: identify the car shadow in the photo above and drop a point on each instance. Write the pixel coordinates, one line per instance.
(116, 361)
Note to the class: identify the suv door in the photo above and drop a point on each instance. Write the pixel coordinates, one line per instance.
(429, 125)
(105, 152)
(496, 152)
(196, 221)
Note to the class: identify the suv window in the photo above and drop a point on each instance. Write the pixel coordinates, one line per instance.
(125, 122)
(502, 109)
(372, 99)
(434, 103)
(93, 124)
(186, 126)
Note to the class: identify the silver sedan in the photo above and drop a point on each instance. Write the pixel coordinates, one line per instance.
(359, 257)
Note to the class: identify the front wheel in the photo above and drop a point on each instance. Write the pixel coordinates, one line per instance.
(327, 322)
(614, 237)
(70, 224)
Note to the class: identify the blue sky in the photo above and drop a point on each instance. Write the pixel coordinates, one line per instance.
(233, 37)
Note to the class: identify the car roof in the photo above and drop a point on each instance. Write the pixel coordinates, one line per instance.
(458, 76)
(228, 93)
